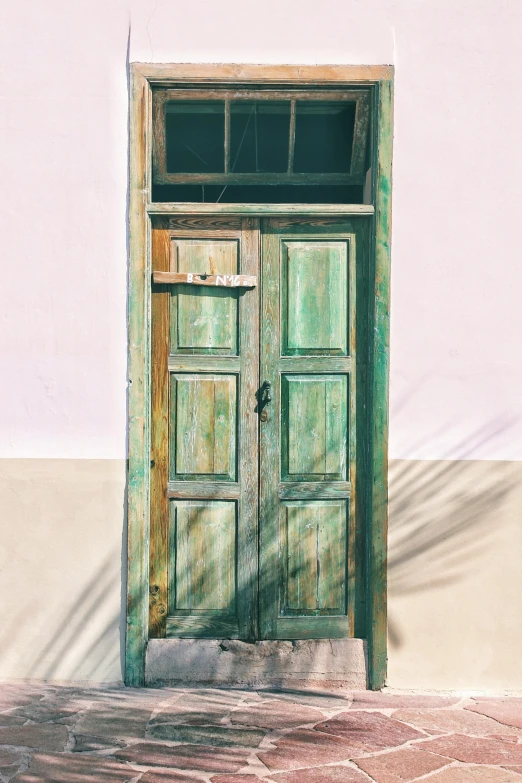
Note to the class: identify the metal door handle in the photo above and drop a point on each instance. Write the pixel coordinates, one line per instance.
(263, 397)
(266, 397)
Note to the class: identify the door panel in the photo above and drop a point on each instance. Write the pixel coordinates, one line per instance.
(202, 546)
(315, 297)
(205, 320)
(203, 426)
(314, 430)
(307, 443)
(204, 469)
(314, 557)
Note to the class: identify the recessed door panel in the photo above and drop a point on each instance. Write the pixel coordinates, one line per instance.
(313, 540)
(315, 303)
(203, 547)
(314, 431)
(203, 426)
(204, 319)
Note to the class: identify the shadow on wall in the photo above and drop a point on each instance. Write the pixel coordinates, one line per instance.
(83, 644)
(442, 515)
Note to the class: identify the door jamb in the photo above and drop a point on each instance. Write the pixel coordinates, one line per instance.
(143, 77)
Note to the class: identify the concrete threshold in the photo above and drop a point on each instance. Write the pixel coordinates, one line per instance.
(328, 663)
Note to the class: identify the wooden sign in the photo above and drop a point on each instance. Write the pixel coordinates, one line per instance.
(223, 281)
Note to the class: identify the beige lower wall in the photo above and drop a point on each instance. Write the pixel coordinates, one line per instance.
(455, 601)
(61, 568)
(455, 575)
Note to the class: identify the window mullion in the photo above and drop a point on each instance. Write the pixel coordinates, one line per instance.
(227, 136)
(291, 138)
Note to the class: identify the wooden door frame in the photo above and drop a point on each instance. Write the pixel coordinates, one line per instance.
(143, 77)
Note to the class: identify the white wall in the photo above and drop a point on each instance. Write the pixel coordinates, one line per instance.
(456, 275)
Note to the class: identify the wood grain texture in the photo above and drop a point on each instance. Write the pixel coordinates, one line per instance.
(183, 73)
(248, 452)
(159, 145)
(295, 490)
(380, 328)
(205, 363)
(360, 137)
(315, 364)
(314, 581)
(159, 452)
(203, 426)
(269, 436)
(197, 223)
(204, 556)
(204, 319)
(223, 281)
(316, 416)
(314, 440)
(312, 628)
(212, 404)
(200, 626)
(315, 297)
(291, 137)
(138, 395)
(255, 94)
(196, 208)
(215, 490)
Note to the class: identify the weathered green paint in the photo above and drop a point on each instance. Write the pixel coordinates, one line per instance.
(379, 363)
(315, 298)
(138, 390)
(315, 427)
(314, 558)
(202, 626)
(308, 440)
(204, 320)
(203, 552)
(372, 371)
(213, 438)
(203, 426)
(265, 210)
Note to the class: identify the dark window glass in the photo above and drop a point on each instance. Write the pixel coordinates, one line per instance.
(260, 194)
(195, 137)
(323, 137)
(259, 133)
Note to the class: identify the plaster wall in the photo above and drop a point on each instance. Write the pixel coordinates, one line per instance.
(456, 370)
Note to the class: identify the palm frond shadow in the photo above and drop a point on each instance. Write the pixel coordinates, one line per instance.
(442, 515)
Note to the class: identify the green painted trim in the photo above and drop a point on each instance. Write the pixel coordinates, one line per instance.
(138, 389)
(270, 210)
(376, 574)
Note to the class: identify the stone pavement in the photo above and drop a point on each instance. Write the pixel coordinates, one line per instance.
(74, 735)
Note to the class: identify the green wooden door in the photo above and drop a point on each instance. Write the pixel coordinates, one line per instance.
(308, 440)
(204, 488)
(253, 512)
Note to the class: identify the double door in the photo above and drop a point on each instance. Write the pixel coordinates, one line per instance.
(255, 511)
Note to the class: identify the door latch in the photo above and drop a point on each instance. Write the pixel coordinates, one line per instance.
(263, 398)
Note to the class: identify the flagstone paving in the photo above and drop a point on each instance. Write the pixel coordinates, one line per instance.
(51, 734)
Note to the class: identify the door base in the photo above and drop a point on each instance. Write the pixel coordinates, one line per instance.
(324, 663)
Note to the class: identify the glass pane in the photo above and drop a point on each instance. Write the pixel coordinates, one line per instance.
(195, 134)
(259, 134)
(323, 137)
(260, 194)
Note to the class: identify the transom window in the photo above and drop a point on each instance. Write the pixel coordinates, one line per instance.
(269, 146)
